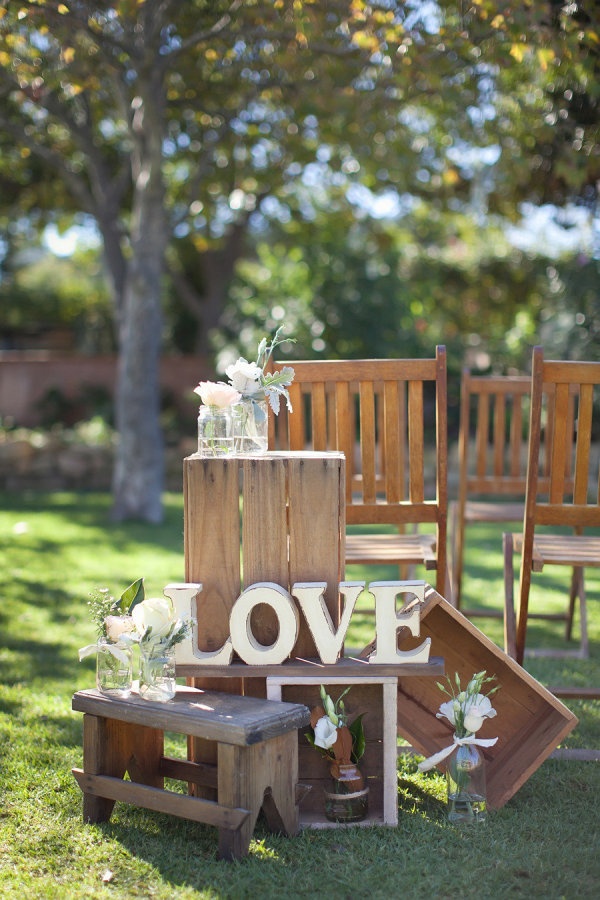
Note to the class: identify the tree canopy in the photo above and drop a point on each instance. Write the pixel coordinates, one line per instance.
(175, 125)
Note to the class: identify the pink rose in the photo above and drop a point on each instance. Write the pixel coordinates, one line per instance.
(217, 393)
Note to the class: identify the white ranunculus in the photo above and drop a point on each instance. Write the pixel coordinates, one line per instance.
(245, 377)
(117, 626)
(325, 733)
(217, 393)
(155, 613)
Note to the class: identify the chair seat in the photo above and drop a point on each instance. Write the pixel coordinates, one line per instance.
(482, 511)
(397, 549)
(565, 550)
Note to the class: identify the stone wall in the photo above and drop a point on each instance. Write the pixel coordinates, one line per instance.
(56, 463)
(26, 378)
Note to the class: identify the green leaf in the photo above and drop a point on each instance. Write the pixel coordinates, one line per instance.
(130, 597)
(358, 738)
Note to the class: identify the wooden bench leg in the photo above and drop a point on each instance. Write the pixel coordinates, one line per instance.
(113, 748)
(261, 775)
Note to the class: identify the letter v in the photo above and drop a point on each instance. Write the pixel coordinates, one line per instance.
(312, 602)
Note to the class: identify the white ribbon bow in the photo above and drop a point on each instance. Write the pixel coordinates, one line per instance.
(432, 761)
(116, 651)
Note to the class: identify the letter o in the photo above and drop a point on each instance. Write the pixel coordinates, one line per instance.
(251, 651)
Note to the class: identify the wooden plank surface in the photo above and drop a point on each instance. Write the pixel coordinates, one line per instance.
(264, 535)
(316, 523)
(212, 543)
(346, 668)
(226, 718)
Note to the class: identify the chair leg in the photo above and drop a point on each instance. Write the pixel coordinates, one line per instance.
(457, 544)
(585, 650)
(573, 594)
(524, 589)
(510, 625)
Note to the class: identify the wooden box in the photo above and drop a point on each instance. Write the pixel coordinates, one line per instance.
(531, 721)
(275, 518)
(373, 695)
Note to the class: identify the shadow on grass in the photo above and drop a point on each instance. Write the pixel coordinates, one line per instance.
(28, 661)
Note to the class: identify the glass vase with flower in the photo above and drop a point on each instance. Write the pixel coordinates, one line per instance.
(343, 744)
(216, 435)
(259, 390)
(466, 710)
(115, 638)
(158, 631)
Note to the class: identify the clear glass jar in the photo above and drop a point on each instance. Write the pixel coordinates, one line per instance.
(157, 672)
(114, 669)
(215, 431)
(465, 777)
(251, 425)
(346, 797)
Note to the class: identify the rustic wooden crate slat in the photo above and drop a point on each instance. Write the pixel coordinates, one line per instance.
(264, 535)
(211, 542)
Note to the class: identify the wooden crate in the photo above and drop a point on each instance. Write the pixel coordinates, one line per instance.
(375, 696)
(531, 721)
(286, 511)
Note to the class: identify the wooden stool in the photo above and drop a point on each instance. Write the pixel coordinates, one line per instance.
(257, 760)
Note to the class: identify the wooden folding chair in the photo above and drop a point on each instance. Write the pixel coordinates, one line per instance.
(380, 412)
(564, 402)
(492, 443)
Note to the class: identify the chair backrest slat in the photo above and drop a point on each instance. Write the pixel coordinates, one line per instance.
(559, 443)
(483, 425)
(416, 441)
(367, 440)
(393, 441)
(516, 440)
(584, 443)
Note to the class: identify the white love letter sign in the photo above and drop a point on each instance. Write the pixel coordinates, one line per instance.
(310, 598)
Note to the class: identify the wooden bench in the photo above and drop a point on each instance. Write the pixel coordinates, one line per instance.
(256, 760)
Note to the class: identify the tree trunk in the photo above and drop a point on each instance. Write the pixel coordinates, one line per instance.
(139, 459)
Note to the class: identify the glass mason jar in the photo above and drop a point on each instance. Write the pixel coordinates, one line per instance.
(114, 669)
(215, 431)
(465, 777)
(157, 672)
(251, 425)
(346, 797)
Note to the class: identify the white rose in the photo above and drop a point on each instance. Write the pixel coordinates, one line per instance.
(217, 393)
(155, 613)
(325, 733)
(116, 626)
(245, 377)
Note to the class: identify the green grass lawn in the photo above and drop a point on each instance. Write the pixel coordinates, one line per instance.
(54, 549)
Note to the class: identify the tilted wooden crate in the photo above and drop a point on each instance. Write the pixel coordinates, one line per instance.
(531, 721)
